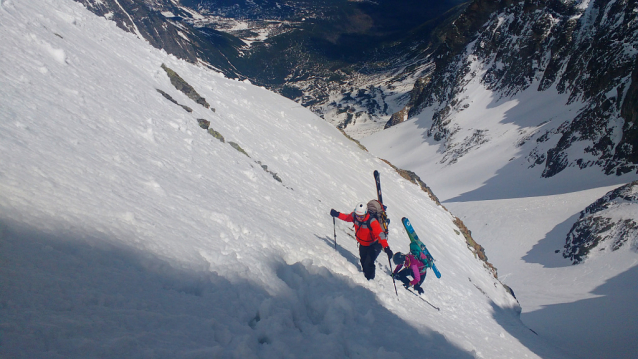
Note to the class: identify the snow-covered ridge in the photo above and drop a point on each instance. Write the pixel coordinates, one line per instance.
(127, 230)
(606, 225)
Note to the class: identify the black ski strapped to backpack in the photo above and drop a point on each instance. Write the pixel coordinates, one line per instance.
(379, 207)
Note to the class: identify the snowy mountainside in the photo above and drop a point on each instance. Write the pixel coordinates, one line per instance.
(479, 131)
(162, 23)
(606, 225)
(588, 310)
(129, 230)
(363, 105)
(583, 52)
(352, 63)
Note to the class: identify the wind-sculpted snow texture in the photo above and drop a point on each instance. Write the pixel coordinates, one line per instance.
(606, 225)
(127, 230)
(585, 51)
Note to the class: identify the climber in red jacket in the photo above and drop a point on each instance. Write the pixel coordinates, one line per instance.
(370, 236)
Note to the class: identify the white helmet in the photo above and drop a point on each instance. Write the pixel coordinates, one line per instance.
(361, 209)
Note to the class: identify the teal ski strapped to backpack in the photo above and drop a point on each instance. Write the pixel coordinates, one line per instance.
(418, 249)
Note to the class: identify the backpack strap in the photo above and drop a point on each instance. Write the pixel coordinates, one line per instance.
(366, 223)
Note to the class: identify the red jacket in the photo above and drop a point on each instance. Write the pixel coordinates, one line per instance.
(366, 235)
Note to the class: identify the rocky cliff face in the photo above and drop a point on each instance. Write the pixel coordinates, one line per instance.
(606, 225)
(584, 49)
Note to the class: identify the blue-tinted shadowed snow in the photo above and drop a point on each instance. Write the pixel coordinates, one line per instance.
(549, 250)
(609, 322)
(64, 297)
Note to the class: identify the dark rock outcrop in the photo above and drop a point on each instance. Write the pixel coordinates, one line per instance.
(184, 87)
(606, 225)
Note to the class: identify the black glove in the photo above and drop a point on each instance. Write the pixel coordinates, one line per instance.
(388, 251)
(334, 213)
(406, 285)
(418, 289)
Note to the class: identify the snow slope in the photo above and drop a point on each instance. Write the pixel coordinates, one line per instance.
(587, 309)
(482, 174)
(126, 230)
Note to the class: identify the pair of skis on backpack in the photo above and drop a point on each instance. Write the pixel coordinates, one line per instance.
(424, 250)
(414, 238)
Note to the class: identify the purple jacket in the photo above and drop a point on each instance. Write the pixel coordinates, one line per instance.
(416, 265)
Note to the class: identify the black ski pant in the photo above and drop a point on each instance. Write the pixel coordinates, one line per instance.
(367, 257)
(403, 274)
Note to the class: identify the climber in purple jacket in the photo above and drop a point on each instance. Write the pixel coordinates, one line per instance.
(411, 267)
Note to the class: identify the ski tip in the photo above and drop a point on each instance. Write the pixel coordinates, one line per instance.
(375, 172)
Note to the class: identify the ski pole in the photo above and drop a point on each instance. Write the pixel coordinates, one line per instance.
(431, 305)
(393, 281)
(334, 227)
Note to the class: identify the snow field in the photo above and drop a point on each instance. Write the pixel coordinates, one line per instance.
(521, 237)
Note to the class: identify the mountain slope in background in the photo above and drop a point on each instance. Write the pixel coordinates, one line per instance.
(351, 62)
(161, 23)
(137, 221)
(588, 309)
(606, 225)
(528, 119)
(584, 52)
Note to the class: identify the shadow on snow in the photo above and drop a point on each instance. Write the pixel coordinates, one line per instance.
(602, 327)
(515, 180)
(511, 322)
(354, 260)
(544, 252)
(69, 297)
